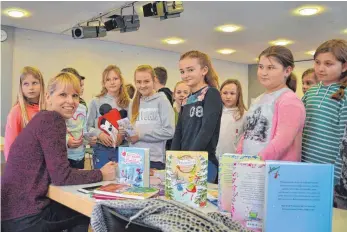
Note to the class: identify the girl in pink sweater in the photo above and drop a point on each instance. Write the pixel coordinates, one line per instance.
(30, 100)
(275, 120)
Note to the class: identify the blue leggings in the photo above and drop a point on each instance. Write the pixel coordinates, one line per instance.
(102, 155)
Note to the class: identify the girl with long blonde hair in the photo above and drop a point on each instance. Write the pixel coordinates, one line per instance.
(112, 100)
(30, 100)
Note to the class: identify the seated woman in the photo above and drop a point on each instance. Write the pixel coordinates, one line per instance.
(38, 158)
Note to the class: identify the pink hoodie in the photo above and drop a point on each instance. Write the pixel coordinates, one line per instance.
(286, 134)
(14, 124)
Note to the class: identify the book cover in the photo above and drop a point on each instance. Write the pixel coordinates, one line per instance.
(129, 129)
(133, 166)
(157, 180)
(298, 197)
(186, 177)
(126, 191)
(247, 204)
(226, 162)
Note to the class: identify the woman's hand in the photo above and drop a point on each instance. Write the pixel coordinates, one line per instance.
(109, 171)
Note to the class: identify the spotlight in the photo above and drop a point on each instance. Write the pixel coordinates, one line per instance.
(131, 23)
(163, 9)
(125, 23)
(115, 23)
(84, 32)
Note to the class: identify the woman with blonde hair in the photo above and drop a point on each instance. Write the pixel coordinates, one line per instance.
(38, 158)
(30, 100)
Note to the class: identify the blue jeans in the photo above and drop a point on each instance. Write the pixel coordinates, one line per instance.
(102, 155)
(212, 172)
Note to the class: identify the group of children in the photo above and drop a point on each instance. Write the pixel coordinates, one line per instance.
(205, 116)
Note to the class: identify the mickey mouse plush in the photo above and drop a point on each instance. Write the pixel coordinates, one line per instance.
(107, 122)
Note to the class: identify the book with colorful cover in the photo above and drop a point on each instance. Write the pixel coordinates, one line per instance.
(126, 124)
(247, 200)
(157, 180)
(226, 162)
(186, 177)
(298, 197)
(133, 166)
(212, 196)
(127, 191)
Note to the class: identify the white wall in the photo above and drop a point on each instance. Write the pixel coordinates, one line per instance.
(300, 68)
(50, 53)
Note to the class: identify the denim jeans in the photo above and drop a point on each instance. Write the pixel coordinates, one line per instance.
(212, 172)
(102, 155)
(54, 218)
(157, 165)
(77, 163)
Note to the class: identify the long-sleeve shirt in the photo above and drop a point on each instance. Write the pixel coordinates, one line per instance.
(38, 158)
(77, 129)
(199, 123)
(94, 112)
(324, 126)
(155, 125)
(14, 124)
(230, 132)
(286, 132)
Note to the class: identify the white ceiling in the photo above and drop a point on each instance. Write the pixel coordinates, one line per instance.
(263, 22)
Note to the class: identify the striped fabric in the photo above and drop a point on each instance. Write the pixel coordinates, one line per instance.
(324, 126)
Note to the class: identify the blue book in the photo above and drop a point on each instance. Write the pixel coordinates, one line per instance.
(298, 197)
(133, 166)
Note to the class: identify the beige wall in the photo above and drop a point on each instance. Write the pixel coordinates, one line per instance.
(51, 52)
(255, 89)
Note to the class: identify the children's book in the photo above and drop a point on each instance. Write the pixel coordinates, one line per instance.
(133, 166)
(226, 162)
(212, 196)
(106, 197)
(157, 180)
(247, 197)
(127, 191)
(129, 129)
(186, 177)
(298, 197)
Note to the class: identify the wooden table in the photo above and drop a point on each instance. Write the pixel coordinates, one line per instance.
(83, 203)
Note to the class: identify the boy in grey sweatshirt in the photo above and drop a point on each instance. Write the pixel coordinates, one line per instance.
(155, 125)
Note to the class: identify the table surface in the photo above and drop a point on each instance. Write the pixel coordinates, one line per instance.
(83, 203)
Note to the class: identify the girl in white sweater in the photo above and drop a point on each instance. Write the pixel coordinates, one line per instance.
(231, 127)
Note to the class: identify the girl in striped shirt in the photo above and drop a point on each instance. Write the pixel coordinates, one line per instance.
(326, 106)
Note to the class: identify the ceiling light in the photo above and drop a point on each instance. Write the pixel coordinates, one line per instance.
(173, 41)
(16, 13)
(228, 28)
(226, 51)
(308, 10)
(281, 42)
(311, 53)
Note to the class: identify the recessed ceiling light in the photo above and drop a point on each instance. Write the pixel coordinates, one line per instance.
(173, 41)
(226, 51)
(228, 28)
(281, 42)
(16, 13)
(311, 52)
(308, 10)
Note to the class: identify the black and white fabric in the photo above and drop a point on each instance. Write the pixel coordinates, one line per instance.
(163, 215)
